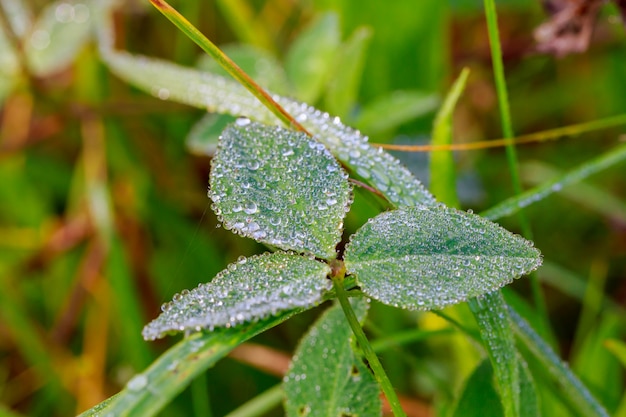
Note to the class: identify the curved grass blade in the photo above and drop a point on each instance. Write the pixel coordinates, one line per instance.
(442, 169)
(517, 203)
(147, 393)
(496, 333)
(574, 390)
(219, 95)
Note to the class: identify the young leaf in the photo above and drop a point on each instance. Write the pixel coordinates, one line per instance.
(279, 187)
(326, 378)
(248, 290)
(430, 257)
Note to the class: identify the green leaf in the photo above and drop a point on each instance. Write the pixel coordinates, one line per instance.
(217, 94)
(248, 290)
(326, 378)
(393, 110)
(495, 331)
(279, 187)
(479, 397)
(618, 349)
(148, 392)
(430, 257)
(529, 400)
(309, 61)
(61, 31)
(204, 135)
(343, 88)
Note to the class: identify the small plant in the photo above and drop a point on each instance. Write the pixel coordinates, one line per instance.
(290, 189)
(285, 174)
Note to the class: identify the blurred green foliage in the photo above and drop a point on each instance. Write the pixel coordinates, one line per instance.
(103, 208)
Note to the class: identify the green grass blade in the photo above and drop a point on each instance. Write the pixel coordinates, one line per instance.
(573, 389)
(517, 203)
(589, 196)
(219, 95)
(233, 69)
(495, 331)
(242, 21)
(442, 167)
(507, 128)
(147, 393)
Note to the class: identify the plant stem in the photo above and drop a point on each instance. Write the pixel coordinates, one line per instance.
(537, 137)
(229, 65)
(370, 355)
(507, 129)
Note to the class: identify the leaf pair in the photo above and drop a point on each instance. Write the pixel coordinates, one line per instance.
(284, 189)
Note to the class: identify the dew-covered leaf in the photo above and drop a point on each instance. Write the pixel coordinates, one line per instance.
(58, 35)
(326, 378)
(430, 257)
(248, 290)
(218, 94)
(279, 187)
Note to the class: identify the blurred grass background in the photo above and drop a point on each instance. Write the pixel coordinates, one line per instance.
(104, 214)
